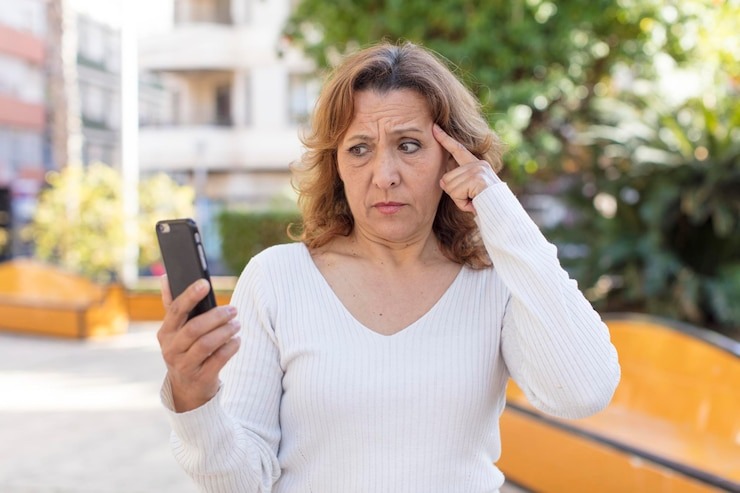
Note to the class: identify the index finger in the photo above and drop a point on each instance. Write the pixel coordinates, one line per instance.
(459, 152)
(179, 309)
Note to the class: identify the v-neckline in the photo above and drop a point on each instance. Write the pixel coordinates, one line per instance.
(338, 301)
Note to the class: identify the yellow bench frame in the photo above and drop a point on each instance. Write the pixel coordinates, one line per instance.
(40, 299)
(672, 426)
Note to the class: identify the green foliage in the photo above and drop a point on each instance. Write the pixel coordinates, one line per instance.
(660, 208)
(534, 64)
(658, 195)
(79, 221)
(245, 234)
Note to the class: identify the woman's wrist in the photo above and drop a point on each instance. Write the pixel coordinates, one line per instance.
(185, 400)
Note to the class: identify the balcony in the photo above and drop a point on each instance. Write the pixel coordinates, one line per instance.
(22, 45)
(211, 11)
(21, 113)
(192, 47)
(184, 148)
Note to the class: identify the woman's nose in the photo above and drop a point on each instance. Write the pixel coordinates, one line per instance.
(385, 171)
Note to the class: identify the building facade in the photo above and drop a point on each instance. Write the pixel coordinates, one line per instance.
(98, 76)
(238, 99)
(24, 144)
(99, 80)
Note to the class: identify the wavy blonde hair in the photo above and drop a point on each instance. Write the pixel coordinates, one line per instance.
(387, 67)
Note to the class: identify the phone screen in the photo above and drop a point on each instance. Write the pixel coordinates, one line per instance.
(184, 259)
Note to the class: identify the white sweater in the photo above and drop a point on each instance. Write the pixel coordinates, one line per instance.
(316, 402)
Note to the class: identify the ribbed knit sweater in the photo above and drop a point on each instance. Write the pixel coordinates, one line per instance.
(316, 402)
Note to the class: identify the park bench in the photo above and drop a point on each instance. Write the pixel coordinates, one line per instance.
(672, 426)
(40, 299)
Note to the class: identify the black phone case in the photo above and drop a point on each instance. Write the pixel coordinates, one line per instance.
(184, 259)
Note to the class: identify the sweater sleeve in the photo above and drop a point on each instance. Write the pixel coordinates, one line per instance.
(555, 345)
(230, 444)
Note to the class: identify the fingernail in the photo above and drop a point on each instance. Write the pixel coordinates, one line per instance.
(437, 127)
(202, 285)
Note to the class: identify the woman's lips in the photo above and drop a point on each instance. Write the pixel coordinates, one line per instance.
(388, 207)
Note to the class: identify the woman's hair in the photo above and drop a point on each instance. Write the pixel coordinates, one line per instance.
(387, 67)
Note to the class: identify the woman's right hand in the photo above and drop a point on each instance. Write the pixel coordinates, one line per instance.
(195, 350)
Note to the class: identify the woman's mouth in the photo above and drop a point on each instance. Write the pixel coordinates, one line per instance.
(388, 208)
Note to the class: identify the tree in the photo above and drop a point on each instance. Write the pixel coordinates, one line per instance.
(534, 64)
(78, 223)
(659, 192)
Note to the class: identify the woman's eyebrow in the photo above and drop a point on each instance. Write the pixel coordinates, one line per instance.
(359, 137)
(407, 130)
(395, 131)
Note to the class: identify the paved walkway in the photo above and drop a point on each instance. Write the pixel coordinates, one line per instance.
(85, 417)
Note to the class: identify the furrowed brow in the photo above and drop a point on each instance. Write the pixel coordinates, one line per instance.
(406, 130)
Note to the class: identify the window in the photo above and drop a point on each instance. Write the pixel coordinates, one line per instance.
(21, 80)
(248, 106)
(6, 161)
(30, 148)
(223, 105)
(93, 103)
(20, 148)
(303, 90)
(113, 52)
(28, 16)
(176, 110)
(92, 42)
(113, 115)
(223, 11)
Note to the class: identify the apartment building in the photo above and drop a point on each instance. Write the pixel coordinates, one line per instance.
(24, 146)
(54, 107)
(99, 82)
(238, 99)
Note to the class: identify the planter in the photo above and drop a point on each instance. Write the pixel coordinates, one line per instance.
(42, 299)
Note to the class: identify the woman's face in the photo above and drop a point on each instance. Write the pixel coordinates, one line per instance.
(391, 165)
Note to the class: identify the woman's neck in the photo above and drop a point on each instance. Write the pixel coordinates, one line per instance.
(420, 251)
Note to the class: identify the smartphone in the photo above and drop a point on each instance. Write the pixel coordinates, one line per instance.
(184, 259)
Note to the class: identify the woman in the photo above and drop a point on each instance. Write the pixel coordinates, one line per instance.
(373, 355)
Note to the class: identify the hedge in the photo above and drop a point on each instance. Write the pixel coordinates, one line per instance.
(245, 234)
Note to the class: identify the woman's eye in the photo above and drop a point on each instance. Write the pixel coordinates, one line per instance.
(358, 150)
(409, 147)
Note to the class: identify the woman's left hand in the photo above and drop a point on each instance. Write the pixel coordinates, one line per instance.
(469, 177)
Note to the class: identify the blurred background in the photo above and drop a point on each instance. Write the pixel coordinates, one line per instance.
(621, 120)
(620, 117)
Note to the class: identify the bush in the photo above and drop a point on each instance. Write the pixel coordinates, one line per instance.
(245, 234)
(79, 220)
(660, 210)
(535, 65)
